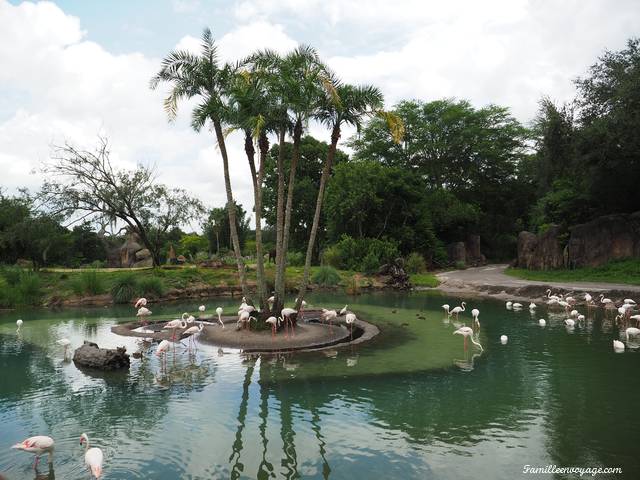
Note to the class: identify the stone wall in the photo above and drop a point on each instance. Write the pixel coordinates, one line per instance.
(467, 252)
(589, 244)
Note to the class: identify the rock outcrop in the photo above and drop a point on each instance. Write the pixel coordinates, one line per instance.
(467, 252)
(397, 277)
(89, 355)
(590, 244)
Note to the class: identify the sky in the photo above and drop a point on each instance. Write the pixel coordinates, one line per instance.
(74, 69)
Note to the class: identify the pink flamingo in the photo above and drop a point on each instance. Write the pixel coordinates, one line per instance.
(467, 332)
(274, 322)
(174, 325)
(350, 319)
(142, 302)
(329, 315)
(286, 315)
(92, 457)
(192, 332)
(37, 445)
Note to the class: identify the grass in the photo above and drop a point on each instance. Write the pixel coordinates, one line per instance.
(618, 271)
(424, 280)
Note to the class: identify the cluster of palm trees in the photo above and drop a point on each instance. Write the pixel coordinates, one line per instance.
(268, 96)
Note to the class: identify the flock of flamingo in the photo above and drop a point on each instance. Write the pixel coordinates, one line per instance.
(625, 316)
(41, 444)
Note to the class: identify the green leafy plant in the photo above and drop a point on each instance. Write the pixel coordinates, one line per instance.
(326, 276)
(415, 263)
(151, 286)
(295, 259)
(92, 283)
(124, 288)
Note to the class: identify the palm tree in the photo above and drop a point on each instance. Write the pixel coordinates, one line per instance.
(193, 76)
(350, 105)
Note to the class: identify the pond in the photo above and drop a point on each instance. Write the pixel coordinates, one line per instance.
(411, 403)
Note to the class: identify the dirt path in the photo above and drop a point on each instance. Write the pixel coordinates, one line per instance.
(491, 280)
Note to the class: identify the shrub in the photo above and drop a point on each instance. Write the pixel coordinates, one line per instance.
(366, 254)
(370, 264)
(460, 265)
(295, 259)
(91, 283)
(326, 276)
(29, 291)
(415, 263)
(331, 256)
(151, 286)
(124, 288)
(11, 275)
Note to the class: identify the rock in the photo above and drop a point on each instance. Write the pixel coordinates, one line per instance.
(143, 254)
(171, 256)
(474, 256)
(211, 263)
(147, 262)
(91, 356)
(181, 259)
(527, 243)
(457, 252)
(604, 239)
(128, 250)
(397, 277)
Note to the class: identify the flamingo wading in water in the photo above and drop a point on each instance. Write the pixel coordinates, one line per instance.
(219, 312)
(37, 445)
(467, 332)
(19, 323)
(458, 310)
(92, 457)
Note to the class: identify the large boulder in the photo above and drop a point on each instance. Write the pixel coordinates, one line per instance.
(457, 252)
(542, 252)
(89, 355)
(604, 239)
(527, 243)
(128, 250)
(473, 253)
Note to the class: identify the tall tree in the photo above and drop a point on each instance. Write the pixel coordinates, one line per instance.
(201, 77)
(83, 185)
(342, 104)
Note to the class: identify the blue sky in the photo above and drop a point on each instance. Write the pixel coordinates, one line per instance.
(73, 69)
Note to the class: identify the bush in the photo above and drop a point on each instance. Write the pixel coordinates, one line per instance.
(370, 264)
(151, 286)
(92, 282)
(11, 275)
(331, 256)
(124, 288)
(365, 254)
(415, 263)
(326, 276)
(459, 265)
(295, 259)
(29, 291)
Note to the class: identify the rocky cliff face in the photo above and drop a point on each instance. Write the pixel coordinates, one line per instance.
(590, 244)
(466, 252)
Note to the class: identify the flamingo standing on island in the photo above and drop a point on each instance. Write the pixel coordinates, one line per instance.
(142, 302)
(467, 332)
(329, 315)
(37, 445)
(219, 312)
(19, 323)
(286, 315)
(274, 322)
(344, 310)
(174, 325)
(92, 457)
(143, 312)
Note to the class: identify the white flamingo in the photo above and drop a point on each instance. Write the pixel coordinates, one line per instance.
(344, 310)
(636, 318)
(629, 301)
(143, 312)
(446, 309)
(458, 310)
(92, 456)
(542, 322)
(350, 319)
(64, 343)
(552, 297)
(570, 322)
(219, 312)
(175, 325)
(19, 323)
(467, 332)
(605, 301)
(618, 346)
(517, 306)
(192, 333)
(632, 332)
(504, 339)
(532, 306)
(37, 445)
(286, 315)
(509, 305)
(163, 346)
(142, 302)
(574, 313)
(274, 322)
(243, 318)
(475, 313)
(588, 298)
(328, 315)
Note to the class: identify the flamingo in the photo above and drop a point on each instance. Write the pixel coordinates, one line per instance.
(588, 298)
(286, 315)
(192, 332)
(542, 322)
(329, 315)
(569, 322)
(636, 318)
(570, 300)
(350, 319)
(446, 309)
(457, 310)
(243, 318)
(143, 312)
(303, 305)
(467, 332)
(508, 305)
(64, 342)
(605, 301)
(271, 300)
(632, 332)
(618, 346)
(629, 301)
(553, 297)
(174, 325)
(163, 346)
(574, 313)
(37, 445)
(475, 313)
(517, 306)
(274, 322)
(201, 309)
(504, 339)
(92, 457)
(344, 310)
(142, 302)
(19, 323)
(219, 312)
(532, 306)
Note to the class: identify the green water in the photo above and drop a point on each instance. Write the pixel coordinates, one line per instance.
(412, 403)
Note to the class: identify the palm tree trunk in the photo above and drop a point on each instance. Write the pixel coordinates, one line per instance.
(256, 177)
(295, 156)
(231, 208)
(326, 171)
(279, 294)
